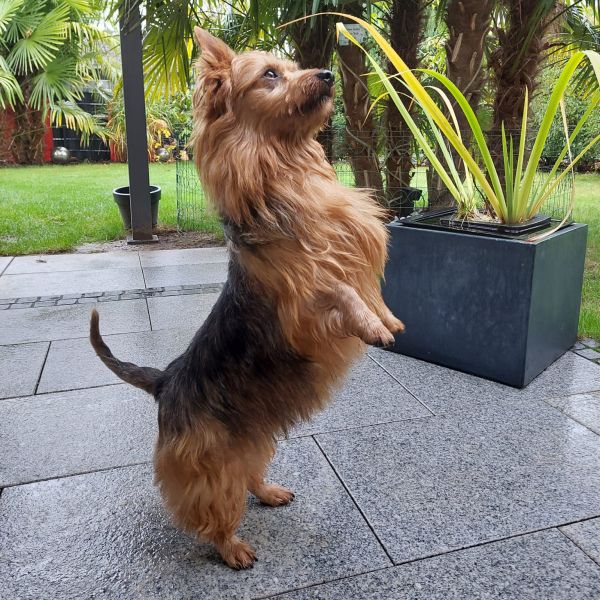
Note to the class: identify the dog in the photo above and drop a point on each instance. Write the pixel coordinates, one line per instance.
(301, 300)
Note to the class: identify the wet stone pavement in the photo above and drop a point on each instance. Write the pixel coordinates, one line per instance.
(416, 483)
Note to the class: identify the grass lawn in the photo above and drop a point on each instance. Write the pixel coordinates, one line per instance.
(587, 210)
(55, 208)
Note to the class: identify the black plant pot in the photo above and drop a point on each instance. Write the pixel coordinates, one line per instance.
(403, 204)
(122, 198)
(503, 309)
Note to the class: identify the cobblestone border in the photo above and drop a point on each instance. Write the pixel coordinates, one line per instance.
(92, 297)
(588, 348)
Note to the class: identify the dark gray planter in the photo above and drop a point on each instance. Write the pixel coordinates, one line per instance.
(498, 308)
(122, 198)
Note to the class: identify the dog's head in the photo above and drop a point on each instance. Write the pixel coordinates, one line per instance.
(260, 91)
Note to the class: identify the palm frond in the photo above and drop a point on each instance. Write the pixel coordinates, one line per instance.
(68, 114)
(42, 44)
(10, 91)
(59, 81)
(8, 8)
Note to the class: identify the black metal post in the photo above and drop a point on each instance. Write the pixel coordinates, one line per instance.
(135, 121)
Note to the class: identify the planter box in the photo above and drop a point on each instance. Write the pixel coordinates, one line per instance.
(498, 308)
(122, 197)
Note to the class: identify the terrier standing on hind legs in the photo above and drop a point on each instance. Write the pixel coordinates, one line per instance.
(301, 300)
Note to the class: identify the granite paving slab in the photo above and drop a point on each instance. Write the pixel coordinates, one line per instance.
(48, 263)
(174, 311)
(539, 566)
(429, 486)
(444, 390)
(54, 435)
(184, 256)
(106, 535)
(72, 321)
(72, 364)
(67, 282)
(584, 408)
(4, 262)
(589, 353)
(586, 535)
(21, 366)
(368, 396)
(215, 272)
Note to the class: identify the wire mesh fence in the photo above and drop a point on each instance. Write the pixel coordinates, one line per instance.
(193, 209)
(398, 175)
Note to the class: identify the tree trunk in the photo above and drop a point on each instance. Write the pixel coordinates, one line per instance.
(468, 23)
(27, 143)
(313, 41)
(516, 65)
(361, 135)
(406, 33)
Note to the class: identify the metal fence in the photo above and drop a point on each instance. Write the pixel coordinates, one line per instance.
(193, 212)
(96, 150)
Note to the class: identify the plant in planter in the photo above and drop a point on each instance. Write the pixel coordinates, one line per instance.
(490, 303)
(513, 197)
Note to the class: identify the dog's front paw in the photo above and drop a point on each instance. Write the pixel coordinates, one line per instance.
(379, 335)
(392, 323)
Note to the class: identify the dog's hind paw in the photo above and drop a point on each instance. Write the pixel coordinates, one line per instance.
(237, 554)
(274, 495)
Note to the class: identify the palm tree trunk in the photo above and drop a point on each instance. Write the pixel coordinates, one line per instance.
(313, 41)
(406, 32)
(361, 135)
(27, 144)
(516, 65)
(468, 23)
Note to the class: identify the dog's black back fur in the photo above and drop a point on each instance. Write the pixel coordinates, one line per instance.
(238, 368)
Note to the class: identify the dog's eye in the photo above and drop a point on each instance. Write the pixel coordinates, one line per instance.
(270, 74)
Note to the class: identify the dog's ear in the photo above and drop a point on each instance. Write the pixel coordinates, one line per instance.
(215, 52)
(215, 71)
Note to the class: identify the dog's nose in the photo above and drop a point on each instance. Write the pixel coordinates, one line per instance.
(326, 76)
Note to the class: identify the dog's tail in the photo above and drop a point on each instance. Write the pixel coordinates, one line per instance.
(142, 377)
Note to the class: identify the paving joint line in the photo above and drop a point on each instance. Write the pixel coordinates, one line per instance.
(363, 426)
(495, 541)
(568, 416)
(26, 302)
(597, 563)
(68, 475)
(145, 287)
(39, 378)
(402, 385)
(360, 511)
(7, 265)
(308, 586)
(80, 389)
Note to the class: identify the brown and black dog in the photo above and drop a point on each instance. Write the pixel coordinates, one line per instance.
(301, 300)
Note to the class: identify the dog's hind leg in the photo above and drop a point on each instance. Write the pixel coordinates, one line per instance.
(268, 493)
(347, 314)
(207, 497)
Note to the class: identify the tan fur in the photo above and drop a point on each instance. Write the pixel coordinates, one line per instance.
(316, 248)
